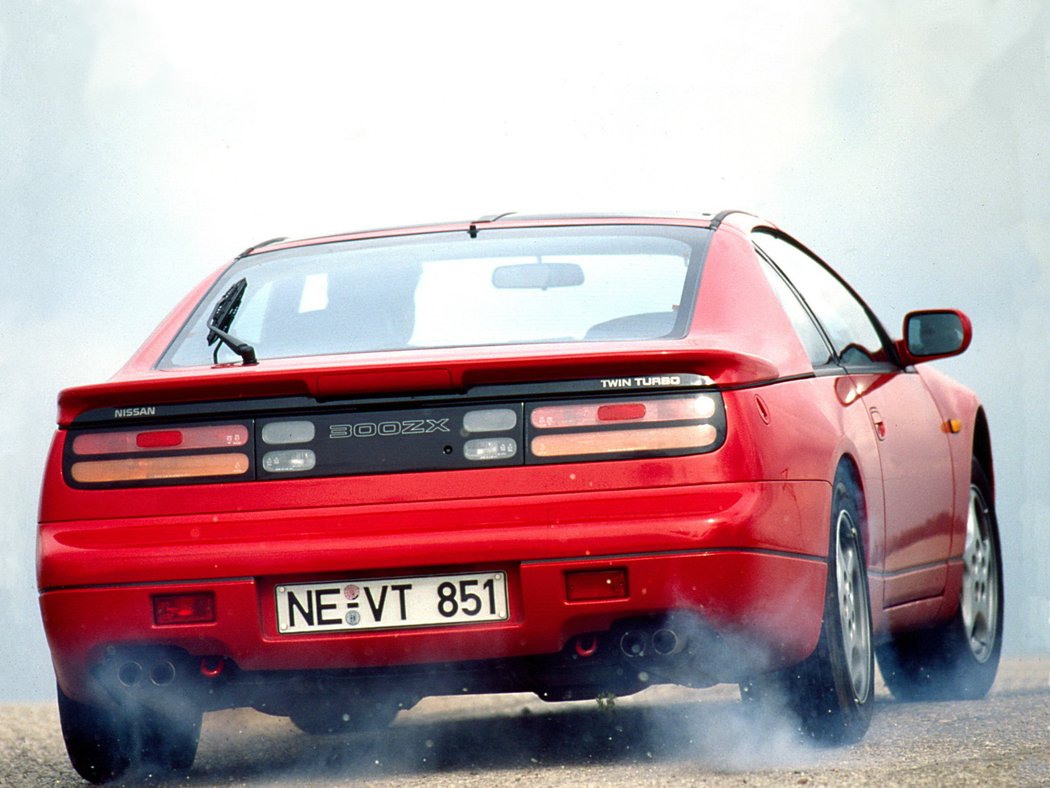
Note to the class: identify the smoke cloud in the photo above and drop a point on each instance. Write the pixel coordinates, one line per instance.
(145, 144)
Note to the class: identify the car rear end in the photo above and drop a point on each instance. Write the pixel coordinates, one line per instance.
(508, 490)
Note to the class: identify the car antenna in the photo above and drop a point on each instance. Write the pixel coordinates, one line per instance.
(473, 230)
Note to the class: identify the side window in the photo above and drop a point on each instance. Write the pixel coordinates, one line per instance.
(812, 340)
(854, 337)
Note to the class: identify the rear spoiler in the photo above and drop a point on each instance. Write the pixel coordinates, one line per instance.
(411, 373)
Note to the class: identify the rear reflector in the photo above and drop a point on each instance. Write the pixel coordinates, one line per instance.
(198, 608)
(601, 584)
(696, 436)
(220, 436)
(148, 468)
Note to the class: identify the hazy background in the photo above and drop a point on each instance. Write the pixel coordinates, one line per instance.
(143, 144)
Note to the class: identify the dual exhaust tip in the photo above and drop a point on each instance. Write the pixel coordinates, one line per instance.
(662, 642)
(132, 673)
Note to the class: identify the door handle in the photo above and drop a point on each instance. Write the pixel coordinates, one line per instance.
(878, 423)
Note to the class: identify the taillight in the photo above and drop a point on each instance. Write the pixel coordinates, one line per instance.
(656, 426)
(145, 455)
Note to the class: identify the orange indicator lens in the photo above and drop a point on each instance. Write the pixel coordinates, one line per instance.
(150, 468)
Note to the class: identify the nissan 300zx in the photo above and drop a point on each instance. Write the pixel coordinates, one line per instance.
(572, 455)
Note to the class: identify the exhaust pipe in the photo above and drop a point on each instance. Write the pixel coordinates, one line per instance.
(666, 642)
(130, 673)
(141, 673)
(162, 674)
(662, 642)
(634, 644)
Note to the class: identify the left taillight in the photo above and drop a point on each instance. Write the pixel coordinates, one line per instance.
(652, 426)
(155, 455)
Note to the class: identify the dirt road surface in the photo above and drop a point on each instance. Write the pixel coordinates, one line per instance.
(664, 736)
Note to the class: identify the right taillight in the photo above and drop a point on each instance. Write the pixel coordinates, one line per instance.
(620, 429)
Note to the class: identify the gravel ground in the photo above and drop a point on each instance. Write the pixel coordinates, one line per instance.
(664, 736)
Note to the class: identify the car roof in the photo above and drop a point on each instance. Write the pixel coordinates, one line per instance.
(509, 219)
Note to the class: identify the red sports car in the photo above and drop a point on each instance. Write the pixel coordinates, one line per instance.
(564, 454)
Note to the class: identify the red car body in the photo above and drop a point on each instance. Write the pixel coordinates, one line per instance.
(710, 566)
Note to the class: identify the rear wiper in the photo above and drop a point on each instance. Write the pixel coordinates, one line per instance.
(221, 318)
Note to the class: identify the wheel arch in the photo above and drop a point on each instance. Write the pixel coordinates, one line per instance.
(847, 465)
(982, 447)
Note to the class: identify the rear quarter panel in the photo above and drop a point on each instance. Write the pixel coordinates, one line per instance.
(957, 402)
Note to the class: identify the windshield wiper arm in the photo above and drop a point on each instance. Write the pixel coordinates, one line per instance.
(221, 318)
(242, 349)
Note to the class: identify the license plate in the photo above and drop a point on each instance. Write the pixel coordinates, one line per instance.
(391, 603)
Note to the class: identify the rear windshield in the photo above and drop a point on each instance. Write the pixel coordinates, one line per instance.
(566, 284)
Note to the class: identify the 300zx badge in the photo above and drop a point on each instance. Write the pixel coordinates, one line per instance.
(370, 429)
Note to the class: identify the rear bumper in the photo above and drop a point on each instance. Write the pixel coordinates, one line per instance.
(739, 558)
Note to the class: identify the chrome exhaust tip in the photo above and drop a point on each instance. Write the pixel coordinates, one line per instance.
(666, 642)
(634, 644)
(162, 674)
(129, 673)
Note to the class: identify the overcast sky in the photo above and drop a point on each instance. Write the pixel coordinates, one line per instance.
(142, 144)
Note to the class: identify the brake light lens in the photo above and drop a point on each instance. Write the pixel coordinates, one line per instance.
(592, 414)
(132, 441)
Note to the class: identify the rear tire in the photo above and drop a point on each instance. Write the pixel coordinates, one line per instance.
(96, 742)
(106, 744)
(958, 660)
(831, 691)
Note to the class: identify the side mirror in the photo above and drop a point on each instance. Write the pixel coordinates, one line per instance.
(934, 333)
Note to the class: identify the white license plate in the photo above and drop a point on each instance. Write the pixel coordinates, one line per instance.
(391, 603)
